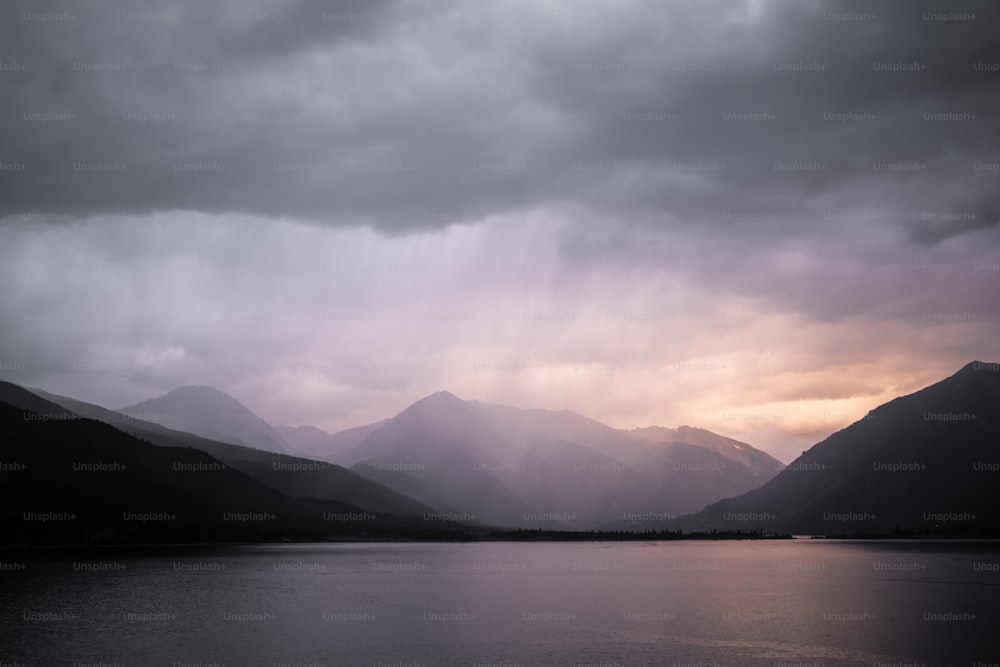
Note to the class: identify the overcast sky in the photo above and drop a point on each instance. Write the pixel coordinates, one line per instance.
(762, 218)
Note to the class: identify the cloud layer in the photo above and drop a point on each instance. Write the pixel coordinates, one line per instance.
(758, 217)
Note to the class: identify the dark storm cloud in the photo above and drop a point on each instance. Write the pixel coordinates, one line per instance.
(132, 107)
(413, 115)
(806, 121)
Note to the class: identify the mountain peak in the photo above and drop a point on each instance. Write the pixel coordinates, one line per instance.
(977, 366)
(440, 398)
(445, 395)
(198, 398)
(436, 406)
(201, 391)
(210, 413)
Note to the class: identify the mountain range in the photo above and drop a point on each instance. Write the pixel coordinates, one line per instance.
(73, 480)
(922, 463)
(543, 469)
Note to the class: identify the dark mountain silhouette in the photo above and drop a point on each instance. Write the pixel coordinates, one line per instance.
(210, 413)
(42, 406)
(542, 469)
(76, 480)
(294, 476)
(923, 462)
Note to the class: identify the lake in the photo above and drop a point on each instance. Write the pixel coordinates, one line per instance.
(506, 604)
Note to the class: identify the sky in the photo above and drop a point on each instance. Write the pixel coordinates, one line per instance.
(761, 218)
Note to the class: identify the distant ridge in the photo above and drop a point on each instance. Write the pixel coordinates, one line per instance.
(314, 442)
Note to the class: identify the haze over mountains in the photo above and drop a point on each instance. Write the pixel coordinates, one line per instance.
(544, 469)
(458, 460)
(314, 441)
(921, 463)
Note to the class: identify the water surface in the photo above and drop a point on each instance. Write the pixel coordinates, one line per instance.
(507, 604)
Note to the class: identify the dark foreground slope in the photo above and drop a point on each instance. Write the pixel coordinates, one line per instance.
(926, 462)
(69, 480)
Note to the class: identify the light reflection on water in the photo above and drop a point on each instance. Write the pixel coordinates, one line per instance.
(502, 603)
